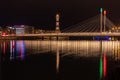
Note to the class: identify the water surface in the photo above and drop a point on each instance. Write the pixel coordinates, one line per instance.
(60, 60)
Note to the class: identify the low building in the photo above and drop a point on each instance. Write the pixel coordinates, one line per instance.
(115, 29)
(10, 30)
(19, 29)
(4, 30)
(29, 29)
(23, 29)
(38, 31)
(50, 31)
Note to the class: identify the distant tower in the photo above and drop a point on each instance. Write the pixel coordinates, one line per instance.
(57, 23)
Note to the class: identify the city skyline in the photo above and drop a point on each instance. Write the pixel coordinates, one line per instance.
(42, 13)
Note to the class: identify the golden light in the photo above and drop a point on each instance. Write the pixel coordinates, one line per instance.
(113, 28)
(119, 28)
(57, 17)
(57, 23)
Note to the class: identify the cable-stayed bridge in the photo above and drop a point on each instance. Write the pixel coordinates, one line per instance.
(93, 24)
(98, 25)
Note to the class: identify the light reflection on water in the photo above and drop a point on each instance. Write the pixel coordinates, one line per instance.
(19, 49)
(76, 48)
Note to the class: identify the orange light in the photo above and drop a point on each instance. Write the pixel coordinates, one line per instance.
(3, 34)
(105, 12)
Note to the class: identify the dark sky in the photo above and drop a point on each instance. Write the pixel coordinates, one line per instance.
(42, 12)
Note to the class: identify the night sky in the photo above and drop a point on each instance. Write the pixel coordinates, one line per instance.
(41, 13)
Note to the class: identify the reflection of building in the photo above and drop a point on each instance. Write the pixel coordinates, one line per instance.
(20, 46)
(18, 52)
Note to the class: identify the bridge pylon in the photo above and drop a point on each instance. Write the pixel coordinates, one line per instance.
(104, 20)
(101, 17)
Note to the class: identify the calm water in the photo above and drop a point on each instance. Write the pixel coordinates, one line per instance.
(59, 60)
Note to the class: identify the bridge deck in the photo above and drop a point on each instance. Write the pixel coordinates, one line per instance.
(68, 34)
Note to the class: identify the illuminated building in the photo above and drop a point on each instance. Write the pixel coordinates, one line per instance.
(29, 29)
(10, 30)
(115, 29)
(19, 29)
(23, 29)
(38, 31)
